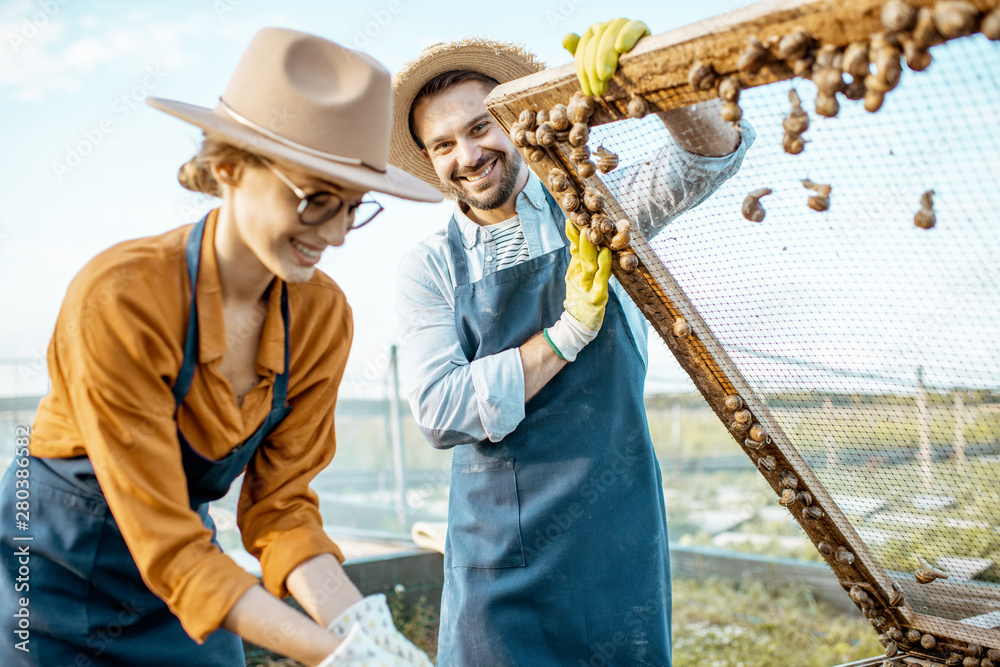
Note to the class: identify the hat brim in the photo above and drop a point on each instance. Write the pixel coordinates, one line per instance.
(498, 60)
(393, 181)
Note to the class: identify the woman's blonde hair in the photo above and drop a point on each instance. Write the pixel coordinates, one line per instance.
(196, 173)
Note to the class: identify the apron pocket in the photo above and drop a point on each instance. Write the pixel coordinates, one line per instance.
(483, 519)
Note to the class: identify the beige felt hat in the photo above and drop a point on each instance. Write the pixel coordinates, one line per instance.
(308, 101)
(498, 60)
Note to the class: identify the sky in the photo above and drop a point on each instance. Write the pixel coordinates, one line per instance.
(88, 164)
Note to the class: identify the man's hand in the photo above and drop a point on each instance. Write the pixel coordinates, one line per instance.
(597, 51)
(586, 279)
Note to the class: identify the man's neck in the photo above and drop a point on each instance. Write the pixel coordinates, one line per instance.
(505, 212)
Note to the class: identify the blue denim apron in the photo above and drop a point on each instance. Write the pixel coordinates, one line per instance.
(557, 538)
(88, 604)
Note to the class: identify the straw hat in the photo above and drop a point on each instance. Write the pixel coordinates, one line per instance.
(498, 60)
(308, 101)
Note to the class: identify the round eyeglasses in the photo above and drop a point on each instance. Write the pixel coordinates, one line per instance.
(319, 207)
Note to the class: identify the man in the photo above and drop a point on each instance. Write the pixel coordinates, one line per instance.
(516, 355)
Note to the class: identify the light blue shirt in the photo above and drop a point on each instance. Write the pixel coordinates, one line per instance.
(484, 399)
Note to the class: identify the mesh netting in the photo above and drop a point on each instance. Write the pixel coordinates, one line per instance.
(872, 342)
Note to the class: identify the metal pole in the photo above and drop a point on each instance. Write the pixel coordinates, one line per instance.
(398, 462)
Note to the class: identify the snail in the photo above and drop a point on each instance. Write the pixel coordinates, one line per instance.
(898, 16)
(829, 81)
(918, 58)
(891, 649)
(527, 119)
(913, 635)
(821, 200)
(580, 154)
(541, 116)
(681, 328)
(974, 651)
(579, 135)
(739, 427)
(558, 182)
(729, 91)
(559, 118)
(767, 463)
(570, 202)
(885, 58)
(593, 200)
(580, 108)
(518, 136)
(897, 599)
(955, 18)
(812, 512)
(804, 497)
(925, 217)
(928, 642)
(623, 235)
(754, 56)
(628, 260)
(701, 76)
(844, 557)
(895, 634)
(586, 169)
(990, 25)
(733, 402)
(532, 140)
(742, 416)
(758, 433)
(545, 135)
(581, 219)
(824, 548)
(970, 661)
(925, 33)
(788, 480)
(606, 160)
(927, 572)
(752, 444)
(795, 123)
(752, 210)
(536, 155)
(794, 49)
(859, 596)
(854, 62)
(602, 223)
(594, 236)
(787, 498)
(636, 107)
(883, 639)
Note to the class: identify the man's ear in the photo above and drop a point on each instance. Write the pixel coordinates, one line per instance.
(423, 151)
(227, 173)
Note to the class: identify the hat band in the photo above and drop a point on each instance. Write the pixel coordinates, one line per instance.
(292, 144)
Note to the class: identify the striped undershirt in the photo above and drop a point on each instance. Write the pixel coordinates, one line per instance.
(508, 237)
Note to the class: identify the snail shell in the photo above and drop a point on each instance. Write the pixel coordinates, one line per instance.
(897, 599)
(827, 105)
(751, 209)
(925, 217)
(593, 200)
(518, 136)
(586, 169)
(787, 498)
(990, 25)
(545, 135)
(913, 635)
(924, 576)
(701, 76)
(819, 203)
(824, 548)
(731, 112)
(742, 416)
(606, 160)
(855, 90)
(855, 59)
(925, 34)
(794, 45)
(737, 427)
(594, 236)
(733, 402)
(559, 117)
(891, 649)
(793, 144)
(527, 119)
(581, 219)
(928, 642)
(873, 98)
(557, 181)
(636, 107)
(953, 661)
(898, 16)
(623, 238)
(895, 634)
(570, 202)
(883, 639)
(628, 260)
(805, 497)
(829, 80)
(859, 596)
(844, 557)
(580, 154)
(767, 463)
(729, 89)
(754, 56)
(955, 18)
(789, 481)
(753, 444)
(681, 328)
(993, 654)
(529, 135)
(579, 135)
(917, 58)
(580, 108)
(542, 116)
(974, 651)
(758, 433)
(970, 662)
(812, 512)
(536, 155)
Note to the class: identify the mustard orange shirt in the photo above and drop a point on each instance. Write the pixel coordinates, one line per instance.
(114, 356)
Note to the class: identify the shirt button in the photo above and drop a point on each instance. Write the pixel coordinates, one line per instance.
(489, 258)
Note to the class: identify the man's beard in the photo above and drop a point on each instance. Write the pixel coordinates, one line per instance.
(502, 194)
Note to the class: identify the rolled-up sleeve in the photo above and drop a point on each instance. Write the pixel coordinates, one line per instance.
(655, 191)
(454, 402)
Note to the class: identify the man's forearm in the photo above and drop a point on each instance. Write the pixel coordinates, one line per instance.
(700, 129)
(540, 363)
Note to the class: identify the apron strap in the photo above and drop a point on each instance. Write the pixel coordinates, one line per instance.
(280, 395)
(186, 374)
(459, 261)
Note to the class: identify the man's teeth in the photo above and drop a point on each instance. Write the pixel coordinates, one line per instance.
(305, 250)
(481, 176)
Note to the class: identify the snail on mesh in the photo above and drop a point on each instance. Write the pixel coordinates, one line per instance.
(701, 76)
(752, 210)
(758, 433)
(579, 134)
(636, 107)
(580, 108)
(593, 200)
(913, 635)
(557, 181)
(586, 169)
(821, 200)
(897, 598)
(628, 260)
(742, 416)
(681, 328)
(623, 235)
(844, 557)
(729, 91)
(606, 160)
(955, 18)
(580, 154)
(754, 56)
(795, 123)
(812, 512)
(925, 217)
(927, 572)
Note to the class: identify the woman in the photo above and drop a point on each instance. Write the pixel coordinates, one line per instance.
(181, 360)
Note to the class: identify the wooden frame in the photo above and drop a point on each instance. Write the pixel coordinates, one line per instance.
(657, 70)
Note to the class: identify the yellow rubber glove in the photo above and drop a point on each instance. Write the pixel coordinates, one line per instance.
(586, 279)
(597, 51)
